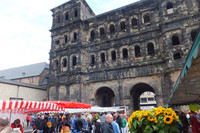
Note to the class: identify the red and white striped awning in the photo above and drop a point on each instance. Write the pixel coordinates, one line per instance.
(27, 106)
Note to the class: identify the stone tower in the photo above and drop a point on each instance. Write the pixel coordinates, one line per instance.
(112, 58)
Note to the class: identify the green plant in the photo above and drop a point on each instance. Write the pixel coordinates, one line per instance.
(158, 120)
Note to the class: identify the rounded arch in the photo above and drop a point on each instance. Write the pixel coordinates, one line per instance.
(150, 48)
(175, 40)
(92, 35)
(112, 28)
(169, 5)
(102, 31)
(136, 91)
(104, 97)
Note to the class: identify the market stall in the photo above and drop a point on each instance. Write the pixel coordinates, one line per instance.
(187, 88)
(16, 109)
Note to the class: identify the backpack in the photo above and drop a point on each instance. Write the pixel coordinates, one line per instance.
(49, 124)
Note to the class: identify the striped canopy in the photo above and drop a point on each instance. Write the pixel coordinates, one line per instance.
(19, 107)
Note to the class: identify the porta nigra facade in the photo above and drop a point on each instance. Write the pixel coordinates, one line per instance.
(112, 58)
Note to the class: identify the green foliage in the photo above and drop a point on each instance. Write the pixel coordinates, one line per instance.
(159, 120)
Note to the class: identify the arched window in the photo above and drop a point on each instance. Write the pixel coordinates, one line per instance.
(113, 55)
(150, 49)
(92, 60)
(58, 19)
(177, 56)
(64, 63)
(66, 16)
(74, 60)
(123, 26)
(137, 51)
(102, 32)
(92, 35)
(193, 35)
(169, 5)
(76, 13)
(112, 29)
(103, 58)
(134, 21)
(146, 18)
(55, 65)
(75, 36)
(125, 53)
(175, 40)
(66, 38)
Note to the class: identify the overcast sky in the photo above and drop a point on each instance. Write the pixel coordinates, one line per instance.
(24, 28)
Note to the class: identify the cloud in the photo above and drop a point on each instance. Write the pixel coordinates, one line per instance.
(24, 28)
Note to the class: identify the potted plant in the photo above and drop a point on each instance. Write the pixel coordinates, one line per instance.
(158, 120)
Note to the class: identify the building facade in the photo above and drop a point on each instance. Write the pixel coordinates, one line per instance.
(112, 58)
(13, 90)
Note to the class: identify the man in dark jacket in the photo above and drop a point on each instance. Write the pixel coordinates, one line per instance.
(79, 123)
(40, 123)
(107, 127)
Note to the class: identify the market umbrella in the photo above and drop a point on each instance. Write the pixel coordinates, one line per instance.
(71, 105)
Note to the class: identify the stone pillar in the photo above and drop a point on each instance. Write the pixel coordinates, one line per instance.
(120, 91)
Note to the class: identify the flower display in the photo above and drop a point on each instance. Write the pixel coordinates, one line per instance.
(158, 120)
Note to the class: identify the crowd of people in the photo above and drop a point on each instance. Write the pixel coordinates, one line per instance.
(88, 123)
(79, 123)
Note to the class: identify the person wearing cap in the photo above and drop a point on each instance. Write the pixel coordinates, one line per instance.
(4, 125)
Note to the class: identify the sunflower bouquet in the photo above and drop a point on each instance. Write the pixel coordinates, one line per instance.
(158, 120)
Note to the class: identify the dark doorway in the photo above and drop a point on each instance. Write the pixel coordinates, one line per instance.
(104, 97)
(136, 92)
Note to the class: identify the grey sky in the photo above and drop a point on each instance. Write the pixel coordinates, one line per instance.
(24, 28)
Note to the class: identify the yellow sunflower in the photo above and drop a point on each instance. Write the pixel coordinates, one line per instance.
(146, 113)
(155, 120)
(150, 118)
(140, 116)
(129, 122)
(168, 119)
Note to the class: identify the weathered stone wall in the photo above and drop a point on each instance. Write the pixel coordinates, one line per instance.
(143, 44)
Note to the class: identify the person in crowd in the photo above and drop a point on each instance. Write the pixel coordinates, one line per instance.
(17, 124)
(28, 119)
(124, 122)
(184, 121)
(4, 125)
(118, 120)
(79, 123)
(88, 128)
(65, 126)
(98, 127)
(49, 124)
(59, 122)
(195, 123)
(32, 122)
(40, 123)
(73, 122)
(107, 127)
(115, 126)
(103, 118)
(54, 123)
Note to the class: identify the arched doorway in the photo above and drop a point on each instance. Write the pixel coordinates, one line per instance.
(104, 97)
(136, 92)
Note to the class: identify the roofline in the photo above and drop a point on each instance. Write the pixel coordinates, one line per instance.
(7, 81)
(83, 1)
(114, 10)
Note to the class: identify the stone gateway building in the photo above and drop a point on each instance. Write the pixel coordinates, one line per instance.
(112, 58)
